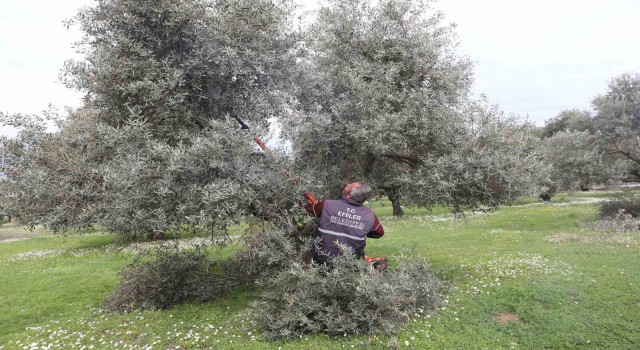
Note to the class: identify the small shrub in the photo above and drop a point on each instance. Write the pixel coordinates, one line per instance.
(621, 223)
(165, 277)
(630, 205)
(347, 298)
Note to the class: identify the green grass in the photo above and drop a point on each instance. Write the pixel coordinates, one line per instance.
(568, 295)
(603, 195)
(383, 207)
(593, 194)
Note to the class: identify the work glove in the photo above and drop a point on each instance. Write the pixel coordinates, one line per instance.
(309, 197)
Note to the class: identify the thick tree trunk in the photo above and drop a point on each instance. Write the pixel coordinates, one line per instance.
(395, 203)
(545, 197)
(397, 209)
(394, 197)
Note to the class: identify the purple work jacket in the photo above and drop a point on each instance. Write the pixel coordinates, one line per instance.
(346, 222)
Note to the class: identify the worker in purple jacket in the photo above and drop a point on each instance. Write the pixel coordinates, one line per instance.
(345, 221)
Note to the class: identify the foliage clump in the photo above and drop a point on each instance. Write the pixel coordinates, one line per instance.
(266, 253)
(165, 277)
(346, 298)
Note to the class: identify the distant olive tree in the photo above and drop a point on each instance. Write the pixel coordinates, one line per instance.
(617, 121)
(383, 97)
(568, 120)
(50, 180)
(155, 147)
(576, 160)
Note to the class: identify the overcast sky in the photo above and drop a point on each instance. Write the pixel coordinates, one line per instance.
(532, 57)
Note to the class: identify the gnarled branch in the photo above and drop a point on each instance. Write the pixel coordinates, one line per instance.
(411, 161)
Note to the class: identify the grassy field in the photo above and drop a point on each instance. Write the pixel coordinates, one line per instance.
(532, 276)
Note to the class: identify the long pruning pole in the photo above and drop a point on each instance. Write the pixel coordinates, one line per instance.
(264, 147)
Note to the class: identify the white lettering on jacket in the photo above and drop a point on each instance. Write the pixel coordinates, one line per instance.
(344, 221)
(350, 213)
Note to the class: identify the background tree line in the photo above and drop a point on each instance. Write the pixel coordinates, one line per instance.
(602, 146)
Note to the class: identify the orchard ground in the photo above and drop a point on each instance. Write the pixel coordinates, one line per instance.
(530, 276)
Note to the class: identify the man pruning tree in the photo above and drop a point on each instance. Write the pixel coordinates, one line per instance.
(345, 221)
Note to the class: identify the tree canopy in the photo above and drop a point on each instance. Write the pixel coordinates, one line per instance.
(155, 146)
(568, 120)
(384, 98)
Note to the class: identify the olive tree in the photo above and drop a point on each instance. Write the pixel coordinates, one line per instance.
(568, 120)
(576, 160)
(617, 121)
(155, 146)
(180, 64)
(50, 180)
(383, 97)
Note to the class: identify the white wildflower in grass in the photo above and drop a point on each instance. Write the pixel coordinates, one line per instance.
(484, 276)
(186, 243)
(99, 331)
(442, 218)
(49, 253)
(36, 254)
(427, 220)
